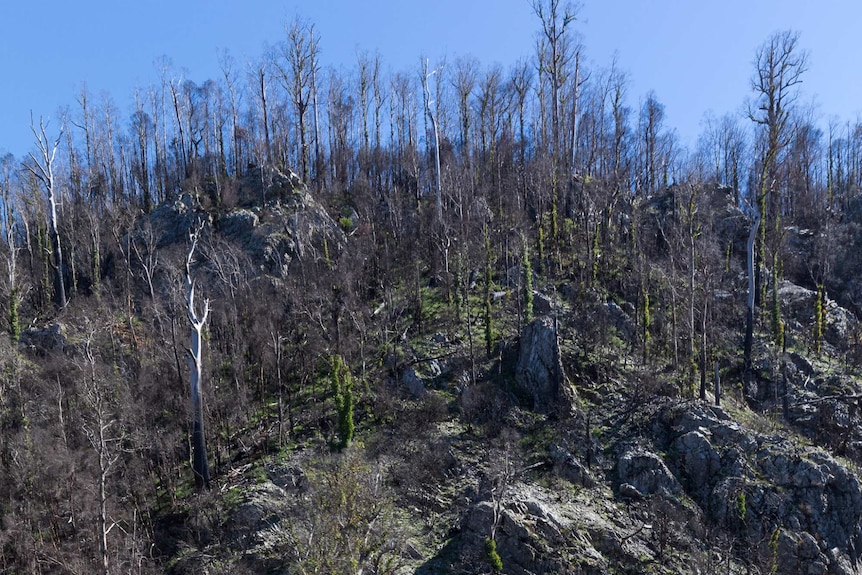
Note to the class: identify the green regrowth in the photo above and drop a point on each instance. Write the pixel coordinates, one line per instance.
(342, 393)
(493, 555)
(528, 280)
(489, 327)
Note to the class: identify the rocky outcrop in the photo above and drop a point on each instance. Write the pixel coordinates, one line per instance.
(414, 384)
(44, 340)
(621, 320)
(570, 468)
(279, 226)
(282, 233)
(260, 509)
(526, 531)
(249, 529)
(172, 221)
(261, 185)
(756, 485)
(539, 375)
(728, 220)
(238, 223)
(536, 533)
(542, 304)
(797, 303)
(698, 461)
(642, 473)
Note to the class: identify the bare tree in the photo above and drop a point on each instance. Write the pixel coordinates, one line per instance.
(142, 126)
(297, 72)
(195, 359)
(426, 91)
(365, 64)
(521, 81)
(779, 65)
(652, 118)
(8, 219)
(555, 16)
(723, 147)
(144, 246)
(42, 168)
(227, 64)
(104, 436)
(466, 71)
(749, 317)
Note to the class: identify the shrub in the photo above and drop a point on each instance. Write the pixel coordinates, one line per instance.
(493, 556)
(342, 393)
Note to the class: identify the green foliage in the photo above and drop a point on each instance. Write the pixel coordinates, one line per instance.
(326, 257)
(646, 320)
(541, 246)
(773, 549)
(233, 497)
(342, 393)
(493, 556)
(727, 256)
(43, 245)
(528, 279)
(775, 311)
(819, 319)
(741, 506)
(348, 523)
(345, 223)
(779, 341)
(489, 326)
(258, 473)
(555, 231)
(694, 374)
(595, 246)
(14, 319)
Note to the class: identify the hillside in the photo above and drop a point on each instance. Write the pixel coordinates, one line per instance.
(466, 321)
(577, 441)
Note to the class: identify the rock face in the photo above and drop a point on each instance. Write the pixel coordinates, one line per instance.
(621, 320)
(250, 529)
(261, 185)
(756, 484)
(171, 222)
(798, 303)
(526, 532)
(537, 533)
(645, 473)
(542, 304)
(570, 468)
(44, 340)
(698, 460)
(282, 233)
(539, 375)
(239, 222)
(414, 384)
(279, 226)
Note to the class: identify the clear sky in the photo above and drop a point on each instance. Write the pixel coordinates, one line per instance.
(696, 55)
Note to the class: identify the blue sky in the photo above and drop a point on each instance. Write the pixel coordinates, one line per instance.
(696, 56)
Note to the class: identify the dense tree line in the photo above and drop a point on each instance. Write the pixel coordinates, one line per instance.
(449, 174)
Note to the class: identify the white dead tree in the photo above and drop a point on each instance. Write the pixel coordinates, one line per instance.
(144, 247)
(200, 464)
(42, 168)
(7, 215)
(102, 433)
(428, 110)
